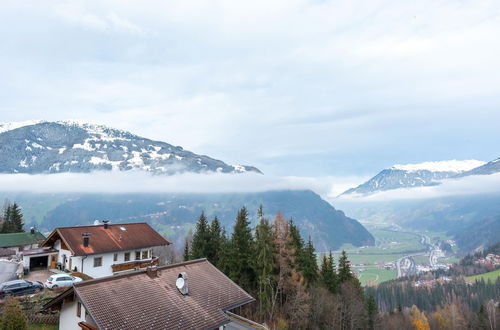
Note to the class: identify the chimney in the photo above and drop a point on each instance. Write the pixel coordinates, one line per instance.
(106, 224)
(32, 230)
(86, 237)
(152, 271)
(182, 283)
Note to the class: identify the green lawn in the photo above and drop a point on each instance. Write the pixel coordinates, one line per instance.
(369, 259)
(492, 276)
(374, 276)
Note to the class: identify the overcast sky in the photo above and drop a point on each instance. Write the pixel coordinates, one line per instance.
(296, 88)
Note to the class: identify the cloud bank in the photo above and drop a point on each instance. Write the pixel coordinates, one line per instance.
(141, 182)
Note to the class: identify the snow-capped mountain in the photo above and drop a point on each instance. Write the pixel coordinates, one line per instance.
(486, 169)
(415, 175)
(73, 146)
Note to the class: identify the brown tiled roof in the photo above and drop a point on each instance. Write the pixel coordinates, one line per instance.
(116, 237)
(137, 301)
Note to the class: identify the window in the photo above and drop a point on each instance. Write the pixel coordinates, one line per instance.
(79, 309)
(115, 257)
(137, 255)
(97, 261)
(144, 254)
(126, 256)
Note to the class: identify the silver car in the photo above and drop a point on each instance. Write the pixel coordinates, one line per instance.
(60, 281)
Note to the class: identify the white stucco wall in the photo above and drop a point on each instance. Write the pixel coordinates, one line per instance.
(107, 262)
(68, 319)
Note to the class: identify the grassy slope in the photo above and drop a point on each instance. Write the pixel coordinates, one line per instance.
(492, 276)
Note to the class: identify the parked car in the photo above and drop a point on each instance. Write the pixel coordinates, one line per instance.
(19, 288)
(61, 280)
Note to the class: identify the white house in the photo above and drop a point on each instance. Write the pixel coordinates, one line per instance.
(189, 295)
(103, 250)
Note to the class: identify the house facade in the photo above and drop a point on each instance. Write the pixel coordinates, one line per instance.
(104, 249)
(189, 295)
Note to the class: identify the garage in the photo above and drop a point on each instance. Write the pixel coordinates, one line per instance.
(37, 259)
(40, 262)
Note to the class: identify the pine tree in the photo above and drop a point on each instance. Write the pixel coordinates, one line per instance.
(214, 243)
(186, 254)
(372, 309)
(344, 268)
(265, 254)
(328, 273)
(242, 251)
(201, 238)
(7, 223)
(224, 263)
(16, 219)
(310, 265)
(13, 317)
(298, 245)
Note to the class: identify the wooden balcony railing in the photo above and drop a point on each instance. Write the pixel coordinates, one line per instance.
(134, 264)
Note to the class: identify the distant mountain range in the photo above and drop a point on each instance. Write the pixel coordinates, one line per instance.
(424, 174)
(71, 146)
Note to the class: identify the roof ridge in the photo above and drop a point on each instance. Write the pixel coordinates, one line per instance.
(136, 272)
(109, 224)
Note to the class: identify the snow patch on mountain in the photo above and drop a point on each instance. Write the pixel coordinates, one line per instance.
(77, 146)
(456, 166)
(4, 127)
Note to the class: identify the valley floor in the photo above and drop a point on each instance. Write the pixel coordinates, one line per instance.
(396, 251)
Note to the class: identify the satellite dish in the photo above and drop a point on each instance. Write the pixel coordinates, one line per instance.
(96, 222)
(182, 283)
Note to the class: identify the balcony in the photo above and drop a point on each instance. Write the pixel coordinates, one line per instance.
(134, 265)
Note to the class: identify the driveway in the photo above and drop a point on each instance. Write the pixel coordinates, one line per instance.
(7, 271)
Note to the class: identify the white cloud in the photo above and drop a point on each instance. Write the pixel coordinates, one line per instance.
(141, 182)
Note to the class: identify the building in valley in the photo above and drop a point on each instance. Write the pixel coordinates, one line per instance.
(188, 295)
(104, 249)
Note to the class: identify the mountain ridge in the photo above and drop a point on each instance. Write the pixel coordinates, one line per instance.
(423, 174)
(36, 147)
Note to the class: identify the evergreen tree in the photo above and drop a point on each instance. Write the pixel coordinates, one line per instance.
(372, 309)
(328, 273)
(186, 254)
(344, 268)
(201, 238)
(265, 254)
(214, 243)
(242, 251)
(309, 264)
(225, 253)
(7, 223)
(12, 219)
(297, 244)
(16, 219)
(13, 317)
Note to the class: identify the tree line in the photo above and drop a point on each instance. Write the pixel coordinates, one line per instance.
(277, 266)
(11, 221)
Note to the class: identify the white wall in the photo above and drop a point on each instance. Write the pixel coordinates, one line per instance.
(68, 320)
(107, 262)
